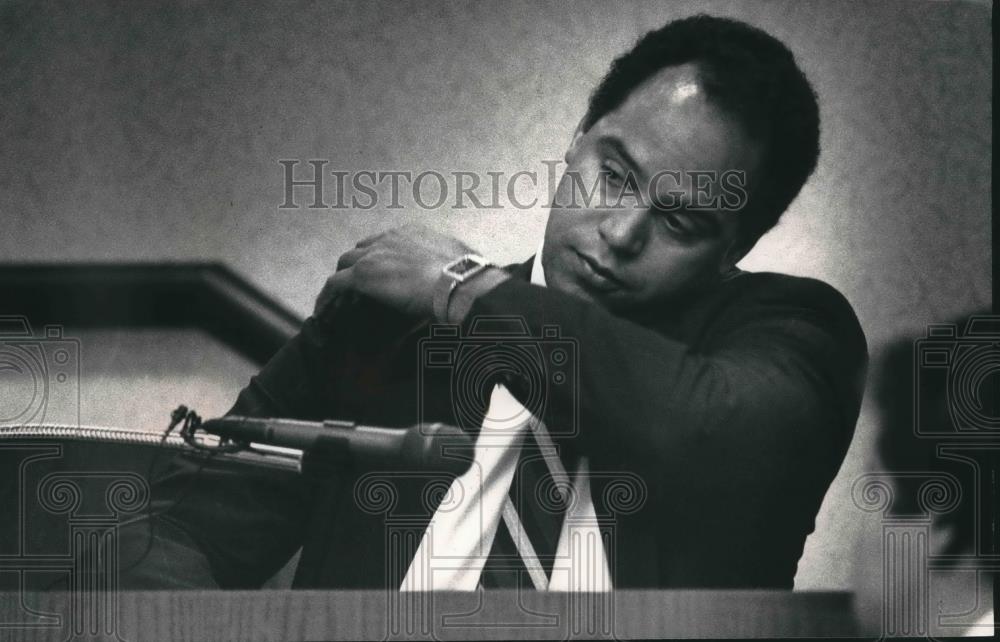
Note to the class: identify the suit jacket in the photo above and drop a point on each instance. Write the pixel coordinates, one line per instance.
(714, 425)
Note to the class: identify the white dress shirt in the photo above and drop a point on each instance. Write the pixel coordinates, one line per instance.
(458, 540)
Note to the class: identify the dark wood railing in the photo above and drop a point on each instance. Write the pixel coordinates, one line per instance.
(208, 296)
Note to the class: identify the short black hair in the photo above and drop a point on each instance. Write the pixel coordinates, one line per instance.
(751, 75)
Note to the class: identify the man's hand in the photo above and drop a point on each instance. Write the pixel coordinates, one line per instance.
(399, 268)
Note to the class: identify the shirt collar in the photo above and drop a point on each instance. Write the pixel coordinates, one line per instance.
(537, 272)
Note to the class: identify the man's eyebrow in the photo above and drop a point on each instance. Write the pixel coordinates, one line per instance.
(619, 148)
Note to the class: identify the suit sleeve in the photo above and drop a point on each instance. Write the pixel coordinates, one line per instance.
(218, 523)
(773, 391)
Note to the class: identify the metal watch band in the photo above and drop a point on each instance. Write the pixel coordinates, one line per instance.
(462, 269)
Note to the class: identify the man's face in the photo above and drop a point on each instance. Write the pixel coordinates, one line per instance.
(649, 241)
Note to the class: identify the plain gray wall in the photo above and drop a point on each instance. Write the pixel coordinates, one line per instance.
(148, 131)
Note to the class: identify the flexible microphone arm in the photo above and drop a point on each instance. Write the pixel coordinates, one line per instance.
(422, 447)
(311, 448)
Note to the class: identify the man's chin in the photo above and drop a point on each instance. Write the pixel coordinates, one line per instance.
(615, 300)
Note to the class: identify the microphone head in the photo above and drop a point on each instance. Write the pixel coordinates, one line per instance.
(439, 447)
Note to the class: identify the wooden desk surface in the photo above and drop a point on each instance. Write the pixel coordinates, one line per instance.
(379, 615)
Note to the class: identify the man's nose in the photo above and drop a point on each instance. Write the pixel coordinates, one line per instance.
(625, 229)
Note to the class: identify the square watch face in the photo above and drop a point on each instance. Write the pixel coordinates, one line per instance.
(464, 266)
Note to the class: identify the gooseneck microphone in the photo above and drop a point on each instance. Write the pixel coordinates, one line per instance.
(424, 447)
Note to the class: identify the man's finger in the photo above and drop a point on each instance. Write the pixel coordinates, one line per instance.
(336, 285)
(368, 240)
(350, 257)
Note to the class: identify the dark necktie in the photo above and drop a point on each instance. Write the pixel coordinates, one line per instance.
(539, 503)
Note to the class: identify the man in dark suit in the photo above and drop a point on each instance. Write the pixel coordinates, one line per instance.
(725, 399)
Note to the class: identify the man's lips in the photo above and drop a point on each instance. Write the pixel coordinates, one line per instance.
(599, 276)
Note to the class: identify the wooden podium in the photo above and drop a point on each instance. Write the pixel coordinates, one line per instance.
(382, 615)
(68, 496)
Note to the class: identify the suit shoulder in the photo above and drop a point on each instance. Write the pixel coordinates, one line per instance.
(810, 296)
(777, 286)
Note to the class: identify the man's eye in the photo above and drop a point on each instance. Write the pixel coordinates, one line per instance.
(674, 225)
(614, 174)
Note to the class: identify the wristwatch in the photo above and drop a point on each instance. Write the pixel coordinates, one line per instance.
(458, 271)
